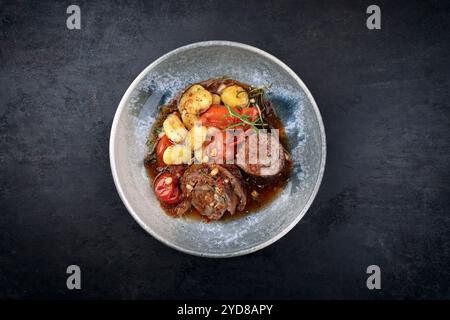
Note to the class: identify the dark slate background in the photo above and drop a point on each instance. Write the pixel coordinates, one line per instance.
(384, 97)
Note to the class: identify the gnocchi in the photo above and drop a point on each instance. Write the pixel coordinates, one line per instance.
(197, 136)
(189, 119)
(177, 154)
(195, 100)
(234, 96)
(174, 128)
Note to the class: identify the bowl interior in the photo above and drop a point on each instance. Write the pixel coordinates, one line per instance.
(157, 84)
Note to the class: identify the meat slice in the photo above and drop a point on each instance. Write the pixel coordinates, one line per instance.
(232, 173)
(261, 155)
(213, 190)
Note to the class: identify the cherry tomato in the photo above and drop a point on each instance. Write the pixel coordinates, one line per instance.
(219, 116)
(166, 188)
(162, 145)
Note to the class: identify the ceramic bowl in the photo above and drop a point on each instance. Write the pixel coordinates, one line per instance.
(157, 84)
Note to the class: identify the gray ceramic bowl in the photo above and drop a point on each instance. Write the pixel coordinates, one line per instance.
(170, 74)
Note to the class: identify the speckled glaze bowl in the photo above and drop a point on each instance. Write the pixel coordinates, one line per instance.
(157, 84)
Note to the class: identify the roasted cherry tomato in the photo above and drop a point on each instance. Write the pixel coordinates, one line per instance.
(219, 116)
(166, 188)
(162, 145)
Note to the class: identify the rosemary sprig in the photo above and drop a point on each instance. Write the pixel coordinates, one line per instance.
(231, 126)
(233, 113)
(227, 116)
(257, 91)
(258, 94)
(244, 119)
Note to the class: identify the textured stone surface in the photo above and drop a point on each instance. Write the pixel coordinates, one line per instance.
(384, 97)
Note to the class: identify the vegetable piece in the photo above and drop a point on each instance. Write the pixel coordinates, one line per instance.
(166, 188)
(234, 96)
(215, 99)
(195, 100)
(189, 119)
(198, 136)
(174, 128)
(219, 116)
(162, 145)
(177, 154)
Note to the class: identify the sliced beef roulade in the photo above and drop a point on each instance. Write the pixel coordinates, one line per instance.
(213, 190)
(261, 155)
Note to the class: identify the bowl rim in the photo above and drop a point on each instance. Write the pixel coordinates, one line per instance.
(121, 108)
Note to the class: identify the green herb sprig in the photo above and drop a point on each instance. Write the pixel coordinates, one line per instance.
(258, 94)
(244, 120)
